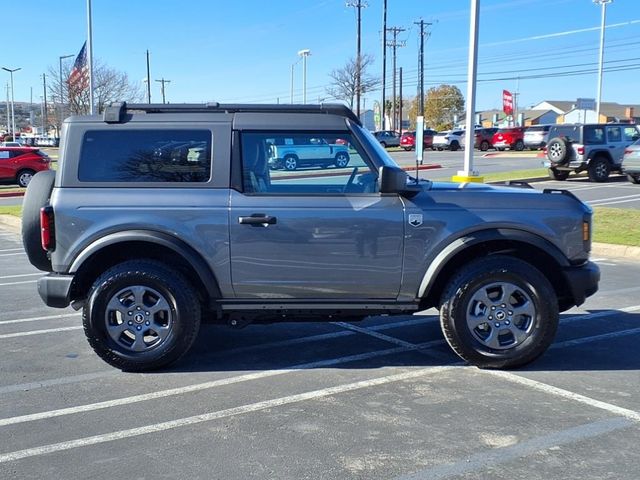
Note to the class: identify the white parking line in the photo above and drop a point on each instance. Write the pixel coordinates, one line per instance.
(615, 203)
(4, 277)
(37, 319)
(17, 283)
(26, 387)
(216, 415)
(39, 332)
(595, 338)
(12, 250)
(11, 254)
(632, 197)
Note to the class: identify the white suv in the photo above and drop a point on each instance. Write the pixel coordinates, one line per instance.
(448, 140)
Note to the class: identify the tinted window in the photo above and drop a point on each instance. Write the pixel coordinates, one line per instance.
(145, 156)
(315, 163)
(630, 134)
(594, 135)
(614, 134)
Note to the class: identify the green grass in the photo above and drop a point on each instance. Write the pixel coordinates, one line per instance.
(616, 225)
(15, 210)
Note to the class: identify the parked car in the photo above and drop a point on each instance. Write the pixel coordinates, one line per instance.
(291, 153)
(237, 243)
(11, 144)
(19, 164)
(448, 140)
(408, 139)
(631, 162)
(483, 138)
(512, 138)
(387, 138)
(536, 136)
(596, 148)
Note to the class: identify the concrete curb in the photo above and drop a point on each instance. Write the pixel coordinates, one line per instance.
(11, 194)
(14, 224)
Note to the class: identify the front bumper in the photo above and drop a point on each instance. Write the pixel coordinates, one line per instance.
(582, 281)
(55, 289)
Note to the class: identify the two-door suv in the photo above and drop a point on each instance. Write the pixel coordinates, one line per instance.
(163, 216)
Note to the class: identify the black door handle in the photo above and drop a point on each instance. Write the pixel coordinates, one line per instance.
(258, 220)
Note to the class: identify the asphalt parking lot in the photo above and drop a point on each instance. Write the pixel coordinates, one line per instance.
(383, 399)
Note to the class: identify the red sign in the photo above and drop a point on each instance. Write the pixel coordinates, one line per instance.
(507, 102)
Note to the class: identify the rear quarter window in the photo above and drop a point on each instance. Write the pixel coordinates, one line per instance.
(145, 156)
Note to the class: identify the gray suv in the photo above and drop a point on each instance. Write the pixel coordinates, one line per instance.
(596, 148)
(161, 217)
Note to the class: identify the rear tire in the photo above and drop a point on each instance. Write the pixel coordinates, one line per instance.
(37, 196)
(499, 312)
(24, 177)
(556, 174)
(519, 146)
(141, 315)
(341, 160)
(484, 146)
(599, 169)
(290, 162)
(454, 146)
(635, 178)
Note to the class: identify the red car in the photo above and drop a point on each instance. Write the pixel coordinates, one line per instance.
(408, 140)
(512, 138)
(19, 164)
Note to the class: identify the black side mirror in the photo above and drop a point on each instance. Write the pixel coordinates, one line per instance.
(395, 180)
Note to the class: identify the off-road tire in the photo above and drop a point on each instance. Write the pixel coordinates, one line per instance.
(499, 273)
(182, 307)
(37, 196)
(599, 169)
(560, 175)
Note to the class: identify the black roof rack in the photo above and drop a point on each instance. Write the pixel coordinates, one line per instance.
(115, 113)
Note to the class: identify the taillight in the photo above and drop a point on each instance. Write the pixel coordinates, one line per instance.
(580, 150)
(47, 231)
(627, 151)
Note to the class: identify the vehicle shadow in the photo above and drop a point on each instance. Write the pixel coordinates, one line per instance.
(583, 178)
(603, 340)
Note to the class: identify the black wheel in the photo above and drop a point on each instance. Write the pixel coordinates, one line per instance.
(501, 149)
(599, 169)
(484, 146)
(406, 149)
(290, 162)
(556, 174)
(454, 146)
(633, 178)
(24, 177)
(384, 144)
(519, 146)
(499, 312)
(342, 159)
(37, 196)
(141, 315)
(558, 151)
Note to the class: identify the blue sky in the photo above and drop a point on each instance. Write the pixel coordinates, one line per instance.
(242, 51)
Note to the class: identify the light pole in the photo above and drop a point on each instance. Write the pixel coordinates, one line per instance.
(292, 66)
(603, 3)
(13, 116)
(162, 82)
(62, 91)
(304, 54)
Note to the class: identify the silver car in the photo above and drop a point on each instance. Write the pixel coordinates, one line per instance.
(631, 162)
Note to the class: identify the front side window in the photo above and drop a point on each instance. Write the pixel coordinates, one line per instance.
(280, 163)
(630, 134)
(145, 156)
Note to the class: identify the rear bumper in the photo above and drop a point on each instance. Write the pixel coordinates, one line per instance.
(55, 289)
(582, 281)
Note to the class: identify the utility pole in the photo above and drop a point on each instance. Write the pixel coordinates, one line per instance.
(44, 106)
(395, 44)
(163, 81)
(400, 106)
(422, 24)
(358, 4)
(384, 63)
(148, 80)
(603, 4)
(8, 111)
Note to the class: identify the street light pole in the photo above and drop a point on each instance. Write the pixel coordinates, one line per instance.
(603, 3)
(304, 54)
(62, 91)
(13, 115)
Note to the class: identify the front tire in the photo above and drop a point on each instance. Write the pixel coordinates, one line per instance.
(455, 146)
(341, 160)
(519, 146)
(484, 146)
(141, 315)
(24, 177)
(290, 163)
(499, 312)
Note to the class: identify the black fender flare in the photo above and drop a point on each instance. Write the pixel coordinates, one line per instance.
(439, 262)
(181, 248)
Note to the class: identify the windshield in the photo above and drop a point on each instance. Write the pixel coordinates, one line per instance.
(375, 144)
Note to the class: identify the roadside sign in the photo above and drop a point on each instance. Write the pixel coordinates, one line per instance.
(507, 102)
(586, 104)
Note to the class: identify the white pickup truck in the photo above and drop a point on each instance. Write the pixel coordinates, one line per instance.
(292, 153)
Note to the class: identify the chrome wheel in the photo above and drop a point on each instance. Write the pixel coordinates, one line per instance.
(555, 151)
(24, 178)
(139, 318)
(501, 315)
(342, 160)
(290, 163)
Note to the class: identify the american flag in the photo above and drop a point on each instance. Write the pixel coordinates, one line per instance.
(79, 76)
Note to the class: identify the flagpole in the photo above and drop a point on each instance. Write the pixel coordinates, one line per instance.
(90, 58)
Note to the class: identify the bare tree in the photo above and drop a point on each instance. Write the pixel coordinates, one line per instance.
(344, 84)
(109, 85)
